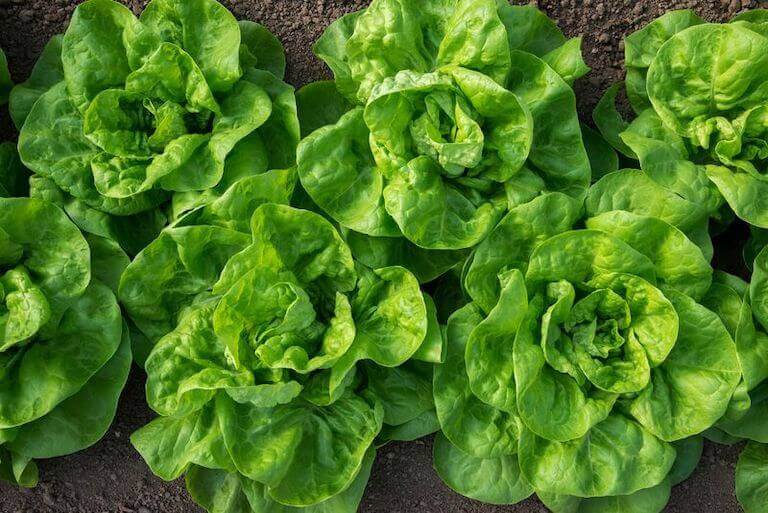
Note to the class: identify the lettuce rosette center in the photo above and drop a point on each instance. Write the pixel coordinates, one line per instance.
(276, 318)
(165, 116)
(610, 334)
(453, 137)
(462, 120)
(428, 157)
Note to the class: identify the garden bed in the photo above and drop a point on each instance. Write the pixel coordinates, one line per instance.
(111, 477)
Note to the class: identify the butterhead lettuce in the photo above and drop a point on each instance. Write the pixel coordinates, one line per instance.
(64, 348)
(586, 367)
(127, 121)
(266, 339)
(458, 111)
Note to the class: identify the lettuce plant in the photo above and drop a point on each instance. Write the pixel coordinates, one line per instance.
(699, 111)
(459, 111)
(698, 95)
(742, 307)
(64, 350)
(586, 366)
(271, 346)
(128, 121)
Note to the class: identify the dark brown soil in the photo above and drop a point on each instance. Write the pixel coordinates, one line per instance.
(111, 477)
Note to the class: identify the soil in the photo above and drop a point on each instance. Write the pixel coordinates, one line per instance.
(111, 478)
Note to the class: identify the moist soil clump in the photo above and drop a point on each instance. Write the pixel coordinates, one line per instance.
(111, 477)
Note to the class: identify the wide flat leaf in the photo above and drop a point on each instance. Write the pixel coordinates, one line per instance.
(530, 30)
(82, 419)
(58, 365)
(319, 104)
(752, 478)
(617, 457)
(476, 428)
(641, 47)
(688, 88)
(204, 29)
(647, 500)
(634, 191)
(224, 492)
(493, 481)
(577, 256)
(337, 170)
(557, 150)
(279, 440)
(405, 392)
(260, 48)
(475, 38)
(679, 262)
(691, 390)
(170, 445)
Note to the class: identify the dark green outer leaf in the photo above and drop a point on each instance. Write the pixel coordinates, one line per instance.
(14, 177)
(610, 122)
(319, 104)
(48, 71)
(641, 47)
(557, 150)
(278, 441)
(617, 457)
(261, 45)
(752, 478)
(647, 500)
(5, 79)
(602, 157)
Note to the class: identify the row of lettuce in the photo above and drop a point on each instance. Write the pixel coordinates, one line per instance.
(429, 243)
